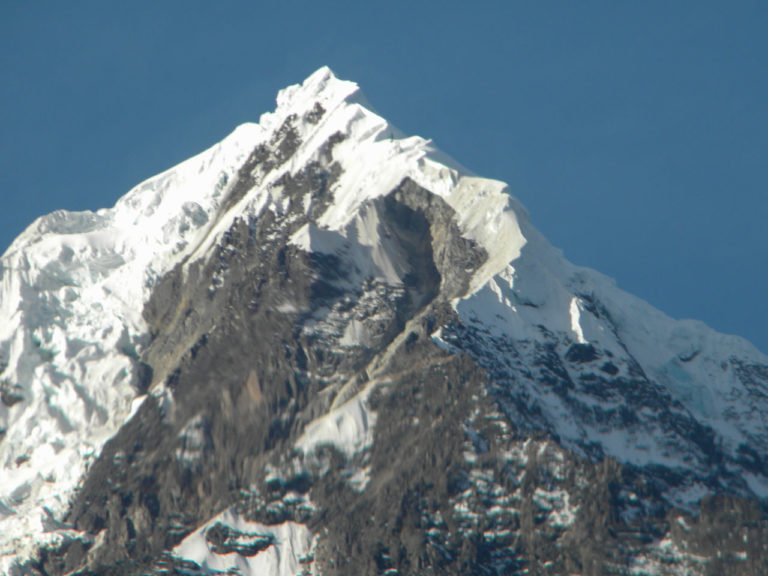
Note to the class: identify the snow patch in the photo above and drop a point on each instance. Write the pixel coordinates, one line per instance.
(348, 427)
(575, 310)
(557, 504)
(249, 548)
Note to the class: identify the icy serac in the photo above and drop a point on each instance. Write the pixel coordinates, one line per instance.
(321, 328)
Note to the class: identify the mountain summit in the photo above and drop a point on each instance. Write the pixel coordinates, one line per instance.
(321, 347)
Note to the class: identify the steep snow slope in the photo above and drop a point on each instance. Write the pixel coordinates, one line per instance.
(72, 289)
(568, 352)
(621, 354)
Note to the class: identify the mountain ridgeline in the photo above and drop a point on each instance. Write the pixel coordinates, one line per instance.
(320, 347)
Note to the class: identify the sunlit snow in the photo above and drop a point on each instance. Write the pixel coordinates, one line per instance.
(286, 552)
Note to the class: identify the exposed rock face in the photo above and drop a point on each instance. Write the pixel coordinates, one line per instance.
(367, 362)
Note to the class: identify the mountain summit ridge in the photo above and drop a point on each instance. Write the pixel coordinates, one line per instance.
(265, 324)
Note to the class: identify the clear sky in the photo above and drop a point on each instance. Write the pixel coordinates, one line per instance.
(636, 133)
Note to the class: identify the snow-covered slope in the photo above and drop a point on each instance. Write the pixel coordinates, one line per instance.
(72, 289)
(633, 383)
(567, 352)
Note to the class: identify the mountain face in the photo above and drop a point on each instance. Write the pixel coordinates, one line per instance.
(321, 347)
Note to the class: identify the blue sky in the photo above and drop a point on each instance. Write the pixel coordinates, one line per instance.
(636, 133)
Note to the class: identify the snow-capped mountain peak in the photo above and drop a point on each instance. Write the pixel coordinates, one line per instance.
(178, 371)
